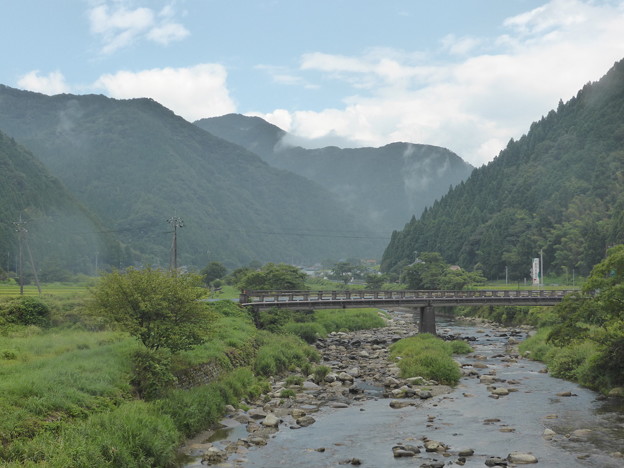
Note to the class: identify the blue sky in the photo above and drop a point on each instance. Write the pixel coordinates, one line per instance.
(464, 74)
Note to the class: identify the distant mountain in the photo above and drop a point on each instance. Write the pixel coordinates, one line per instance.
(61, 233)
(136, 164)
(558, 190)
(382, 186)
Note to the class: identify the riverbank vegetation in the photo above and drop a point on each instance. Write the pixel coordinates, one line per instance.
(581, 339)
(430, 357)
(80, 388)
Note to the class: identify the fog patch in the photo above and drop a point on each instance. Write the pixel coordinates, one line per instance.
(420, 169)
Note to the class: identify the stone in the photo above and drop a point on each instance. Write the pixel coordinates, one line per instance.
(500, 391)
(616, 392)
(425, 394)
(521, 458)
(270, 420)
(580, 434)
(548, 434)
(404, 451)
(434, 446)
(256, 413)
(465, 452)
(495, 461)
(396, 404)
(213, 455)
(305, 421)
(565, 394)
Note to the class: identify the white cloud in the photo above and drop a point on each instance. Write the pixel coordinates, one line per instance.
(119, 26)
(472, 104)
(53, 83)
(194, 92)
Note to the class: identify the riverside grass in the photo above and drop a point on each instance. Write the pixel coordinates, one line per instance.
(66, 400)
(430, 357)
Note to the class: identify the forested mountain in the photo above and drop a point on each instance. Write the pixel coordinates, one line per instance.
(61, 234)
(136, 164)
(559, 188)
(383, 186)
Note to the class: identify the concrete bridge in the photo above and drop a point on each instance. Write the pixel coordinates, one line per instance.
(424, 301)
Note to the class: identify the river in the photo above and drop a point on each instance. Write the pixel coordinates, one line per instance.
(467, 418)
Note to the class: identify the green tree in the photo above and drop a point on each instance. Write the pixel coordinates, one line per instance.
(274, 276)
(213, 271)
(598, 315)
(160, 309)
(375, 281)
(343, 272)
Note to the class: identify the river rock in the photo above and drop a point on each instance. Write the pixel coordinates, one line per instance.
(305, 421)
(396, 404)
(404, 451)
(520, 458)
(548, 434)
(487, 379)
(256, 413)
(213, 455)
(495, 461)
(465, 452)
(434, 446)
(616, 392)
(425, 394)
(580, 434)
(565, 394)
(344, 377)
(297, 413)
(500, 391)
(270, 420)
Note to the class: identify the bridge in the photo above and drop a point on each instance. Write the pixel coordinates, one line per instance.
(424, 301)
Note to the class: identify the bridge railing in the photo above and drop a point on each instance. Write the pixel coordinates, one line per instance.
(251, 297)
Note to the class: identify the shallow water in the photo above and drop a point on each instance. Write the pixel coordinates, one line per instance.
(368, 430)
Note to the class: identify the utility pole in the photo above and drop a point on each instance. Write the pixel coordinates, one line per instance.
(173, 258)
(22, 239)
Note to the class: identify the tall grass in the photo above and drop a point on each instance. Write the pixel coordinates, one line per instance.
(427, 356)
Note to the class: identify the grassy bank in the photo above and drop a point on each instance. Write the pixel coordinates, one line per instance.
(67, 398)
(69, 395)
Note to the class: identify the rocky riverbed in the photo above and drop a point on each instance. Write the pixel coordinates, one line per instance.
(364, 385)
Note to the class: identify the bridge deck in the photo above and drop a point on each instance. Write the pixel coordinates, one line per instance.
(415, 298)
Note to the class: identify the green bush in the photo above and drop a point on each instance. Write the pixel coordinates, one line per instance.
(152, 376)
(27, 311)
(567, 362)
(320, 372)
(334, 320)
(537, 345)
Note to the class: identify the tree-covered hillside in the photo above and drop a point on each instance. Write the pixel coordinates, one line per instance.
(62, 235)
(383, 186)
(558, 189)
(136, 164)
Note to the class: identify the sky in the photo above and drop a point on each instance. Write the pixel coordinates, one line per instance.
(467, 75)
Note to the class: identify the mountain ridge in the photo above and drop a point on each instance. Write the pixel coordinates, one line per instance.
(384, 185)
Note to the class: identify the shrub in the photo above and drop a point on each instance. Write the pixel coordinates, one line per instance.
(287, 393)
(28, 311)
(294, 380)
(320, 372)
(152, 375)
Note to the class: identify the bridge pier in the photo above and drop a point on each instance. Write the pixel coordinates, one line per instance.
(427, 320)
